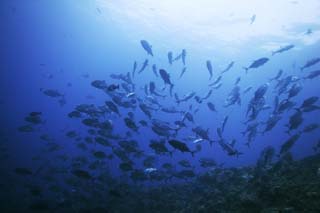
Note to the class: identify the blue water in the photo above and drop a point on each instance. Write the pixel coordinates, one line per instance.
(65, 45)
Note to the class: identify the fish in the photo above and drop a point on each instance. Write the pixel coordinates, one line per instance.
(280, 72)
(253, 18)
(310, 63)
(99, 84)
(198, 140)
(184, 163)
(294, 90)
(82, 174)
(237, 81)
(178, 57)
(272, 122)
(180, 146)
(113, 87)
(147, 47)
(312, 74)
(224, 122)
(188, 116)
(131, 124)
(228, 67)
(152, 89)
(231, 151)
(309, 101)
(183, 55)
(52, 93)
(184, 69)
(209, 67)
(233, 97)
(257, 63)
(283, 49)
(154, 69)
(211, 107)
(170, 57)
(185, 97)
(286, 146)
(207, 162)
(310, 127)
(308, 32)
(135, 65)
(216, 81)
(159, 147)
(150, 170)
(247, 90)
(144, 65)
(295, 121)
(23, 171)
(112, 107)
(166, 79)
(126, 166)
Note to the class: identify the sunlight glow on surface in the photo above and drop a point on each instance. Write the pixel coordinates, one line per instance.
(223, 22)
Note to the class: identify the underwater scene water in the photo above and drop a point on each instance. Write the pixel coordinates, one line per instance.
(160, 106)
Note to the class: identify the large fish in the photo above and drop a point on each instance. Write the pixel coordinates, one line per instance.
(147, 47)
(257, 63)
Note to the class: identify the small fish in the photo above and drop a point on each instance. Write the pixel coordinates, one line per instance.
(211, 106)
(289, 143)
(180, 146)
(113, 87)
(247, 90)
(170, 57)
(154, 69)
(183, 71)
(280, 72)
(253, 18)
(283, 49)
(209, 67)
(257, 63)
(228, 67)
(312, 74)
(309, 31)
(135, 65)
(237, 81)
(183, 55)
(310, 63)
(224, 122)
(144, 65)
(82, 174)
(147, 47)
